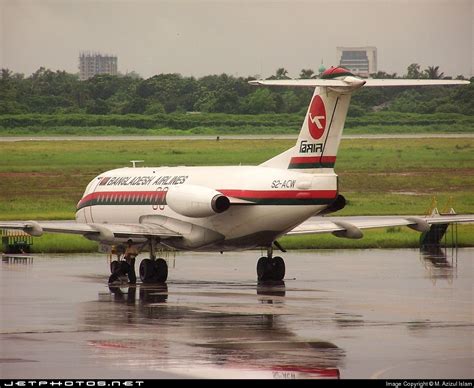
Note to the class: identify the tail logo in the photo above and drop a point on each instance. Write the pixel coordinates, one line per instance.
(317, 118)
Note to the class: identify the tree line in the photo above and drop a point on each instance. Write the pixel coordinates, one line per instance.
(58, 92)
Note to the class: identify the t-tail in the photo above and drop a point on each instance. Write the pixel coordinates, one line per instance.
(318, 141)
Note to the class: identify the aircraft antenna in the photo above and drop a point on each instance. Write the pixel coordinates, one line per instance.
(134, 162)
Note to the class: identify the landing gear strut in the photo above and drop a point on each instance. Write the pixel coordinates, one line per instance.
(153, 270)
(270, 268)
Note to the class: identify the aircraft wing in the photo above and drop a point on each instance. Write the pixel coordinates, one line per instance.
(350, 227)
(103, 232)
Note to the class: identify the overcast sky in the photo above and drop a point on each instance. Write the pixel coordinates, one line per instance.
(239, 37)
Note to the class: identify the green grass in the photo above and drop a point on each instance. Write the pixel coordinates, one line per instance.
(45, 180)
(63, 243)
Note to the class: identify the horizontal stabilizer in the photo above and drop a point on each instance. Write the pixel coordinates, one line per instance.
(309, 83)
(350, 81)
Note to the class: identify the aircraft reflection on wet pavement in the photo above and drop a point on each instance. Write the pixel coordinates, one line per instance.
(440, 263)
(232, 343)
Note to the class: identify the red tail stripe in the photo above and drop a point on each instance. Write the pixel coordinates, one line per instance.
(313, 159)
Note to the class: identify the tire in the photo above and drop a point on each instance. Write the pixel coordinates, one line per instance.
(278, 268)
(124, 267)
(113, 278)
(161, 270)
(114, 266)
(147, 271)
(263, 268)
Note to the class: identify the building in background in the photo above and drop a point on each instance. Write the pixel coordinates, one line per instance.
(91, 64)
(361, 61)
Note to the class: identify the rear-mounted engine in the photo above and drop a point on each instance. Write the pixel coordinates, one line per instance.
(196, 201)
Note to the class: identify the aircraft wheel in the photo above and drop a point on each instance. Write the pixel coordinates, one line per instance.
(270, 269)
(124, 267)
(278, 268)
(161, 270)
(263, 269)
(147, 271)
(114, 266)
(114, 277)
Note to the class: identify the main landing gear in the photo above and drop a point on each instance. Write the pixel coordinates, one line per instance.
(152, 270)
(270, 268)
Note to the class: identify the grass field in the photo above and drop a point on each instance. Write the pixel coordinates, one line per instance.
(220, 123)
(45, 180)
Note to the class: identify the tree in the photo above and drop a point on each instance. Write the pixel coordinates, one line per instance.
(133, 74)
(432, 72)
(383, 75)
(103, 86)
(291, 103)
(154, 107)
(307, 74)
(227, 101)
(413, 71)
(6, 74)
(281, 73)
(260, 101)
(98, 107)
(135, 105)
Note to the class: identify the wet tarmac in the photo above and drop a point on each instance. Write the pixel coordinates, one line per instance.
(343, 313)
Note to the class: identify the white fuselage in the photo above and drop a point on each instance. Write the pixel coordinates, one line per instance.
(265, 203)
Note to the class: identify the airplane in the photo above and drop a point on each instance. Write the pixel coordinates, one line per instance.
(227, 208)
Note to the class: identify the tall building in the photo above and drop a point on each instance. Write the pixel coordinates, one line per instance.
(361, 61)
(91, 64)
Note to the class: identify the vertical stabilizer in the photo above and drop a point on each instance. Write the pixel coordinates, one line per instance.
(320, 135)
(318, 141)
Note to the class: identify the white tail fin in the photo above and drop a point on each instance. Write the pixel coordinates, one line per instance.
(320, 135)
(318, 142)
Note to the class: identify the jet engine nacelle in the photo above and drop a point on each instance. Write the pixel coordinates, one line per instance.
(196, 201)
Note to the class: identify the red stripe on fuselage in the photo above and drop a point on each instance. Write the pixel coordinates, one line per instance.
(261, 194)
(287, 194)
